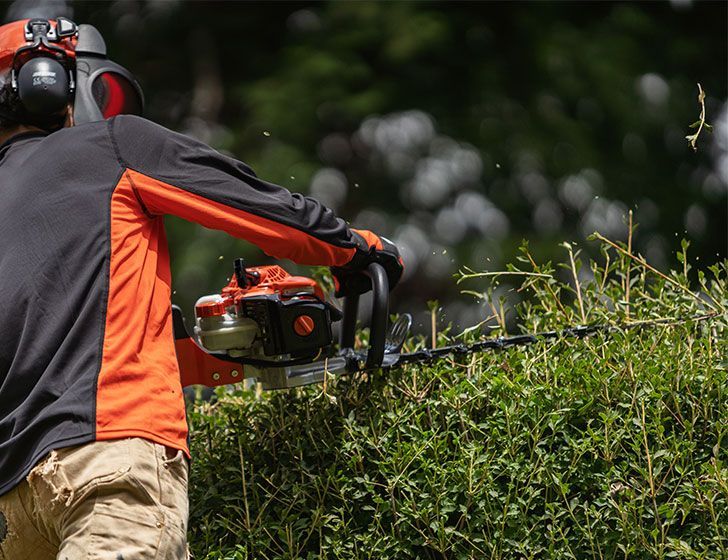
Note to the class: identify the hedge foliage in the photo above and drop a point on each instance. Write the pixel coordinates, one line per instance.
(607, 447)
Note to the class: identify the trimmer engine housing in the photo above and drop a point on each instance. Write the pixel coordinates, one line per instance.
(264, 312)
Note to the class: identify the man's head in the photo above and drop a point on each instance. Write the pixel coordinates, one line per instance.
(54, 73)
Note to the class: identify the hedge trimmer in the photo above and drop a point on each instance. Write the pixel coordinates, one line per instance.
(277, 328)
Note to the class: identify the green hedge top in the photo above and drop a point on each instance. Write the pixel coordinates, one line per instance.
(608, 447)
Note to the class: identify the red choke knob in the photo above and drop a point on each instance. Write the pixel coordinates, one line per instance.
(303, 325)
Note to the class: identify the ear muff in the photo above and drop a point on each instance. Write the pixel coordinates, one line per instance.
(43, 86)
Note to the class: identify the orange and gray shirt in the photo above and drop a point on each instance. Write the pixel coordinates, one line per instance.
(86, 343)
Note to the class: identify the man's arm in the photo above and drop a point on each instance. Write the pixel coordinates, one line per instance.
(174, 174)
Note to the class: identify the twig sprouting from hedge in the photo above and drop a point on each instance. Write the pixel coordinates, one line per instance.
(700, 123)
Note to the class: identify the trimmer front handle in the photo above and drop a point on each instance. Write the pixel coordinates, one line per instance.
(380, 316)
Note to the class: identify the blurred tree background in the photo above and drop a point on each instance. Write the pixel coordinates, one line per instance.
(455, 129)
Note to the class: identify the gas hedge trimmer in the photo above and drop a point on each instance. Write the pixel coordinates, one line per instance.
(277, 328)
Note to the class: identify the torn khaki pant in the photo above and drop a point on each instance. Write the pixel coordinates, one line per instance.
(109, 500)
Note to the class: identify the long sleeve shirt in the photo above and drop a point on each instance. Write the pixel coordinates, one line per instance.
(86, 343)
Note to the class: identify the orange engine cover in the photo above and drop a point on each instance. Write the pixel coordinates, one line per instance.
(267, 280)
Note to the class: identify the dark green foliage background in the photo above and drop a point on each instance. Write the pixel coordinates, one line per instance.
(545, 87)
(609, 447)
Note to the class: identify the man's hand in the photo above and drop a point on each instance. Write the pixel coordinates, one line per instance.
(351, 279)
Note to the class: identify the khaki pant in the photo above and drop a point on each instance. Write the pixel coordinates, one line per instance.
(109, 500)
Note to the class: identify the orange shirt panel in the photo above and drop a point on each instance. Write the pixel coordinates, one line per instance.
(139, 392)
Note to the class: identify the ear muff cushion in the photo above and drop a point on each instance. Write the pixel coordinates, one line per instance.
(43, 86)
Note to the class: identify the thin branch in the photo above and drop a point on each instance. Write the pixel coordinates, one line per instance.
(244, 484)
(548, 288)
(465, 276)
(700, 123)
(629, 266)
(576, 282)
(650, 476)
(648, 266)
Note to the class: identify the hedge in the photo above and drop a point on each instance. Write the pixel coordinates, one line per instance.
(606, 447)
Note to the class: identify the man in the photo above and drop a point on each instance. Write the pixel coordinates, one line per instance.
(92, 421)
